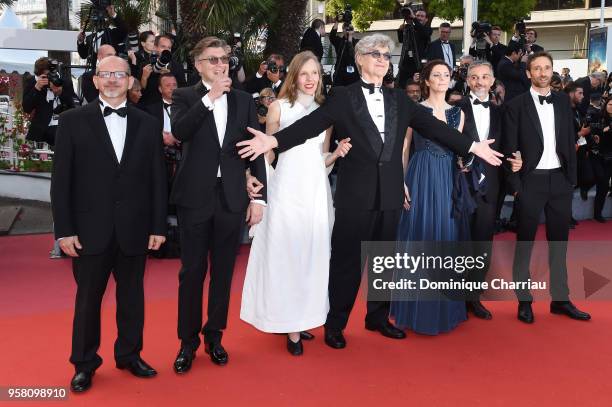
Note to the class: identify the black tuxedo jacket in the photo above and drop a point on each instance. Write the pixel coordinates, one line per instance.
(156, 109)
(523, 132)
(35, 103)
(434, 51)
(194, 125)
(371, 176)
(94, 196)
(491, 172)
(311, 41)
(514, 78)
(256, 85)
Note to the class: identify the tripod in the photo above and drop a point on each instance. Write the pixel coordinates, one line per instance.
(410, 60)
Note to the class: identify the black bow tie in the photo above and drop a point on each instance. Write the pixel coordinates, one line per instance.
(167, 105)
(122, 111)
(444, 42)
(548, 99)
(370, 87)
(483, 104)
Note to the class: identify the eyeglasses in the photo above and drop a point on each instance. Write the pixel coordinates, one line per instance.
(268, 98)
(377, 55)
(215, 60)
(117, 74)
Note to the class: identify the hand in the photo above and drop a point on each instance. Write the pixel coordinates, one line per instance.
(584, 131)
(169, 139)
(253, 186)
(482, 150)
(273, 77)
(81, 37)
(461, 166)
(606, 129)
(42, 81)
(256, 146)
(69, 245)
(407, 200)
(524, 58)
(254, 213)
(155, 241)
(132, 57)
(487, 39)
(220, 85)
(516, 163)
(263, 68)
(416, 77)
(343, 148)
(596, 139)
(146, 71)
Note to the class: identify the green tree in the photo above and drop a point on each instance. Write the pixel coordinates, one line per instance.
(42, 25)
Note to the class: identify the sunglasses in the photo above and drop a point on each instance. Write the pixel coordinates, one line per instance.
(215, 60)
(377, 55)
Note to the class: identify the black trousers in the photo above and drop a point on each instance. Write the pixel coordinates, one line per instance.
(203, 232)
(547, 190)
(482, 229)
(602, 170)
(91, 274)
(351, 227)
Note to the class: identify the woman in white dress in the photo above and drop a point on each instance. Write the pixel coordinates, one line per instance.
(285, 289)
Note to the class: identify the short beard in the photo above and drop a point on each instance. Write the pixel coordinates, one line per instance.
(113, 93)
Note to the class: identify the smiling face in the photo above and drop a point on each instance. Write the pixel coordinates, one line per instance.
(308, 77)
(480, 79)
(113, 87)
(208, 70)
(540, 72)
(374, 64)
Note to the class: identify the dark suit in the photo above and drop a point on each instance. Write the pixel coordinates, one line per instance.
(435, 51)
(88, 90)
(548, 190)
(256, 85)
(151, 94)
(514, 78)
(35, 102)
(311, 41)
(370, 184)
(113, 208)
(210, 210)
(482, 226)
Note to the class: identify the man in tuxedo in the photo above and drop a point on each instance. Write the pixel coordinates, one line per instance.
(442, 48)
(483, 121)
(45, 100)
(88, 89)
(512, 71)
(311, 41)
(370, 188)
(108, 196)
(269, 75)
(114, 34)
(211, 198)
(539, 124)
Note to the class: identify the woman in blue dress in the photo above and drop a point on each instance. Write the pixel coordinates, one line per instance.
(431, 174)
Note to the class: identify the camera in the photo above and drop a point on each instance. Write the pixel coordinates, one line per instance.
(132, 40)
(236, 57)
(479, 29)
(54, 74)
(346, 18)
(406, 11)
(460, 72)
(98, 14)
(274, 68)
(161, 61)
(521, 29)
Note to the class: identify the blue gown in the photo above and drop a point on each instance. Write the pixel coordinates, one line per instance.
(430, 178)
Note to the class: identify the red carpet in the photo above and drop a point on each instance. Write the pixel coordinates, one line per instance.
(555, 362)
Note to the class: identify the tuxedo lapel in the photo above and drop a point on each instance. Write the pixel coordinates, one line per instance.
(130, 133)
(98, 127)
(364, 120)
(202, 91)
(558, 114)
(232, 105)
(533, 114)
(390, 124)
(470, 121)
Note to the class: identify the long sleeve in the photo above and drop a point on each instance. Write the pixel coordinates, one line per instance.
(186, 119)
(258, 166)
(572, 159)
(510, 144)
(159, 185)
(61, 181)
(32, 97)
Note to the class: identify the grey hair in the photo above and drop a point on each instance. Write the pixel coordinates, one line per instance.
(371, 42)
(478, 63)
(598, 75)
(467, 56)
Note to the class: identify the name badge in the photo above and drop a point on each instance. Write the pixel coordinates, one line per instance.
(350, 69)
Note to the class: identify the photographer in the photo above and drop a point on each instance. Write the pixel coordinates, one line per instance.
(590, 84)
(311, 40)
(494, 50)
(110, 29)
(415, 25)
(526, 38)
(459, 79)
(442, 48)
(88, 89)
(269, 75)
(45, 96)
(512, 71)
(345, 69)
(601, 159)
(236, 61)
(262, 103)
(160, 62)
(147, 48)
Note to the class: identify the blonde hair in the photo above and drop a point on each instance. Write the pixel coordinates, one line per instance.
(289, 90)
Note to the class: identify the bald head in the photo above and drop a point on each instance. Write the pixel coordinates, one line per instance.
(113, 63)
(106, 50)
(112, 79)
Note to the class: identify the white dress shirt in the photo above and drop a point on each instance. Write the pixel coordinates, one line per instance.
(482, 117)
(448, 54)
(219, 109)
(167, 112)
(116, 126)
(546, 114)
(376, 107)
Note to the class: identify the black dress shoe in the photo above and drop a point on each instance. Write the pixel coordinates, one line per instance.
(307, 336)
(569, 309)
(295, 348)
(81, 381)
(183, 360)
(478, 310)
(599, 219)
(386, 329)
(138, 368)
(334, 338)
(525, 313)
(217, 354)
(574, 222)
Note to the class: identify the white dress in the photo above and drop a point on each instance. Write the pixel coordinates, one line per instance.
(285, 288)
